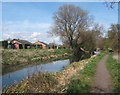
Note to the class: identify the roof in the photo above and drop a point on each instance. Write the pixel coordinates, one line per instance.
(22, 41)
(41, 42)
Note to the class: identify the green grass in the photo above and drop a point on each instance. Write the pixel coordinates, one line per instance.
(84, 80)
(114, 69)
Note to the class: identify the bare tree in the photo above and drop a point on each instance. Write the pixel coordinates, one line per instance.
(70, 22)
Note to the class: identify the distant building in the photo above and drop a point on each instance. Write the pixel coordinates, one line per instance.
(20, 44)
(41, 45)
(24, 44)
(53, 46)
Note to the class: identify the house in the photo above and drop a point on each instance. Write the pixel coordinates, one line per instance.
(53, 46)
(20, 44)
(41, 45)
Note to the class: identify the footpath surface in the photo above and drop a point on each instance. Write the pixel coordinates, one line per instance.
(103, 82)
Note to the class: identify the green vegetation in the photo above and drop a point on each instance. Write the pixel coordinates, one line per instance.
(83, 81)
(114, 69)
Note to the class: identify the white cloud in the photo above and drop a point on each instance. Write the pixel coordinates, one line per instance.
(28, 31)
(25, 25)
(33, 37)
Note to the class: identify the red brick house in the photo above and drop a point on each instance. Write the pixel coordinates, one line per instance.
(20, 44)
(41, 45)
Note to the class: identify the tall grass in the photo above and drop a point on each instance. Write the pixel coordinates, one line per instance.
(114, 69)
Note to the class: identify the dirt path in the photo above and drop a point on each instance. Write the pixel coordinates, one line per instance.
(103, 82)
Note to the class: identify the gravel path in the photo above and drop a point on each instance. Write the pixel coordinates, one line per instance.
(103, 82)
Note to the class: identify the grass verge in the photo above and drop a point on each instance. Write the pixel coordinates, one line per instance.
(114, 69)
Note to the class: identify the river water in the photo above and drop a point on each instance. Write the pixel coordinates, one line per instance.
(17, 76)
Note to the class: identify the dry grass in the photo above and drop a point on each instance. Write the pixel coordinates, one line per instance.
(13, 57)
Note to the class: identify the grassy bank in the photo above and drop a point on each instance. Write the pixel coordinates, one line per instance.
(114, 69)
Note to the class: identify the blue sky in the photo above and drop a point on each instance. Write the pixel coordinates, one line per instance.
(32, 21)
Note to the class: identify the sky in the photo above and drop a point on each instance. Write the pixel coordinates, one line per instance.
(32, 20)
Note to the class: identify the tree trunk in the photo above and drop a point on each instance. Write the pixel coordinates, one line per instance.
(76, 54)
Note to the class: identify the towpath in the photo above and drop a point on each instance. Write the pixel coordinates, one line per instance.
(103, 82)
